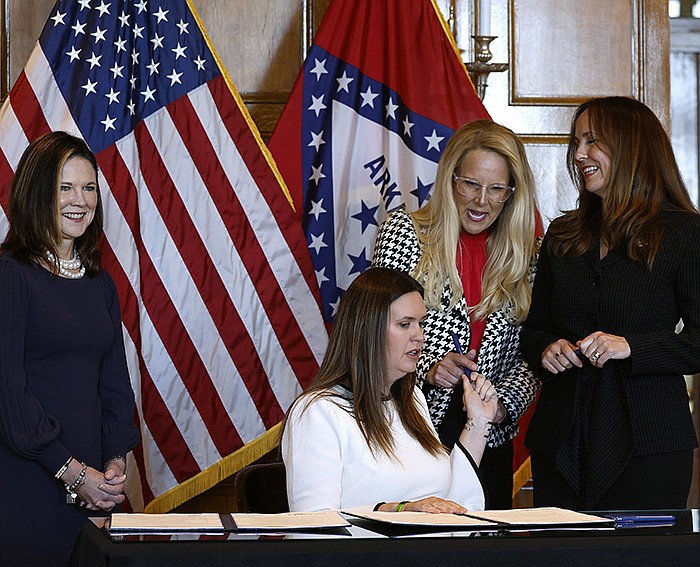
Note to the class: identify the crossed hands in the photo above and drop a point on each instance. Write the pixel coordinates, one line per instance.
(597, 347)
(100, 491)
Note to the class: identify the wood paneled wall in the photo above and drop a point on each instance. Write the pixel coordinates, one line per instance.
(559, 55)
(559, 52)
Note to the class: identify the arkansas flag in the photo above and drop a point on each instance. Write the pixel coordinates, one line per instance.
(381, 91)
(221, 325)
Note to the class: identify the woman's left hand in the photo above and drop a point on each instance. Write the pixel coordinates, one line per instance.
(435, 505)
(600, 347)
(480, 397)
(114, 477)
(96, 494)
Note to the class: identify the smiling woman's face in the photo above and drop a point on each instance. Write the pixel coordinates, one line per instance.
(591, 158)
(77, 201)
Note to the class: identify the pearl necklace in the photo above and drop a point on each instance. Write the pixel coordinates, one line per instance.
(72, 269)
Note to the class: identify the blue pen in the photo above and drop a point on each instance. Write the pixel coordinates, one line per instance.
(641, 519)
(458, 348)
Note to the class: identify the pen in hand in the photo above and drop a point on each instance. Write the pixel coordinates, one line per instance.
(458, 348)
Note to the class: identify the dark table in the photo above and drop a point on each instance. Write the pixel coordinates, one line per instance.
(676, 546)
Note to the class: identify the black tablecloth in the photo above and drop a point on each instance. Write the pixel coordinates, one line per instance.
(676, 546)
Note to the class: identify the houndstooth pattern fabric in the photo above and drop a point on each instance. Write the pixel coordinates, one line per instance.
(397, 246)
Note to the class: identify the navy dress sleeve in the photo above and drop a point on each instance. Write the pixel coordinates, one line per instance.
(24, 425)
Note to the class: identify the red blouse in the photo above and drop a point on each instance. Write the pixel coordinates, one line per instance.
(471, 259)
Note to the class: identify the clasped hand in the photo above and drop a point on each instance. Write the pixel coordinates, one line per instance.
(103, 491)
(449, 371)
(597, 347)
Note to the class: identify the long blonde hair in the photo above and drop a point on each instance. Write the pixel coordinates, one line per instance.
(511, 245)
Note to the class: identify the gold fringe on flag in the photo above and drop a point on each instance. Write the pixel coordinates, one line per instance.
(214, 474)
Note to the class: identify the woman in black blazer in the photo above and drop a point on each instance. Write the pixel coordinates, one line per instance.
(612, 428)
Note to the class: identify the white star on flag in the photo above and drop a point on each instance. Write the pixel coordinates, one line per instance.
(368, 97)
(434, 141)
(222, 327)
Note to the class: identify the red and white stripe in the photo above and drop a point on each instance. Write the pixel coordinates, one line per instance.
(222, 328)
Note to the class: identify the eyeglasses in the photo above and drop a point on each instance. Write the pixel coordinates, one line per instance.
(468, 187)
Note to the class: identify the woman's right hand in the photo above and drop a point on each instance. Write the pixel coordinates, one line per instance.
(89, 492)
(448, 372)
(560, 356)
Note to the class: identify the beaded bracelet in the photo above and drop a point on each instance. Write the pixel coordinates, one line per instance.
(71, 490)
(63, 469)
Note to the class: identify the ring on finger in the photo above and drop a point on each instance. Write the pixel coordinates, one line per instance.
(595, 356)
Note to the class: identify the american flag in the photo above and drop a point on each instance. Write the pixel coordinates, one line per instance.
(381, 91)
(221, 325)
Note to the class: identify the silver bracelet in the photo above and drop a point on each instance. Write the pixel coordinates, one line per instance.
(63, 469)
(471, 424)
(71, 490)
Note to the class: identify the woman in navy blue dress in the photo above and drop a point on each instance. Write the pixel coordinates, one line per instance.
(66, 403)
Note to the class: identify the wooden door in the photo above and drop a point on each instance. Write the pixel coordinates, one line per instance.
(561, 53)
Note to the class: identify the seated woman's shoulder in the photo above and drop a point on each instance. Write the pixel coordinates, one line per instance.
(329, 400)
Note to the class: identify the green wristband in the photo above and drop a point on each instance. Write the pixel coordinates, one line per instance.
(399, 507)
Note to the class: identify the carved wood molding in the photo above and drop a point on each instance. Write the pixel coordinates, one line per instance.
(539, 56)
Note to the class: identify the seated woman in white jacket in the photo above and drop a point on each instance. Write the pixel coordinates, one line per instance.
(361, 435)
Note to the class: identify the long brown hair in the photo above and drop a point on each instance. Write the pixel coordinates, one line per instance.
(644, 178)
(511, 244)
(356, 359)
(33, 208)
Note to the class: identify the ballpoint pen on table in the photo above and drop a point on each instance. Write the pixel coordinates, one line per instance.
(641, 519)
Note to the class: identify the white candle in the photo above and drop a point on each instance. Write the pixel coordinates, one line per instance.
(484, 17)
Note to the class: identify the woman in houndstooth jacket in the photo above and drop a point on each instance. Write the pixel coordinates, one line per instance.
(473, 247)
